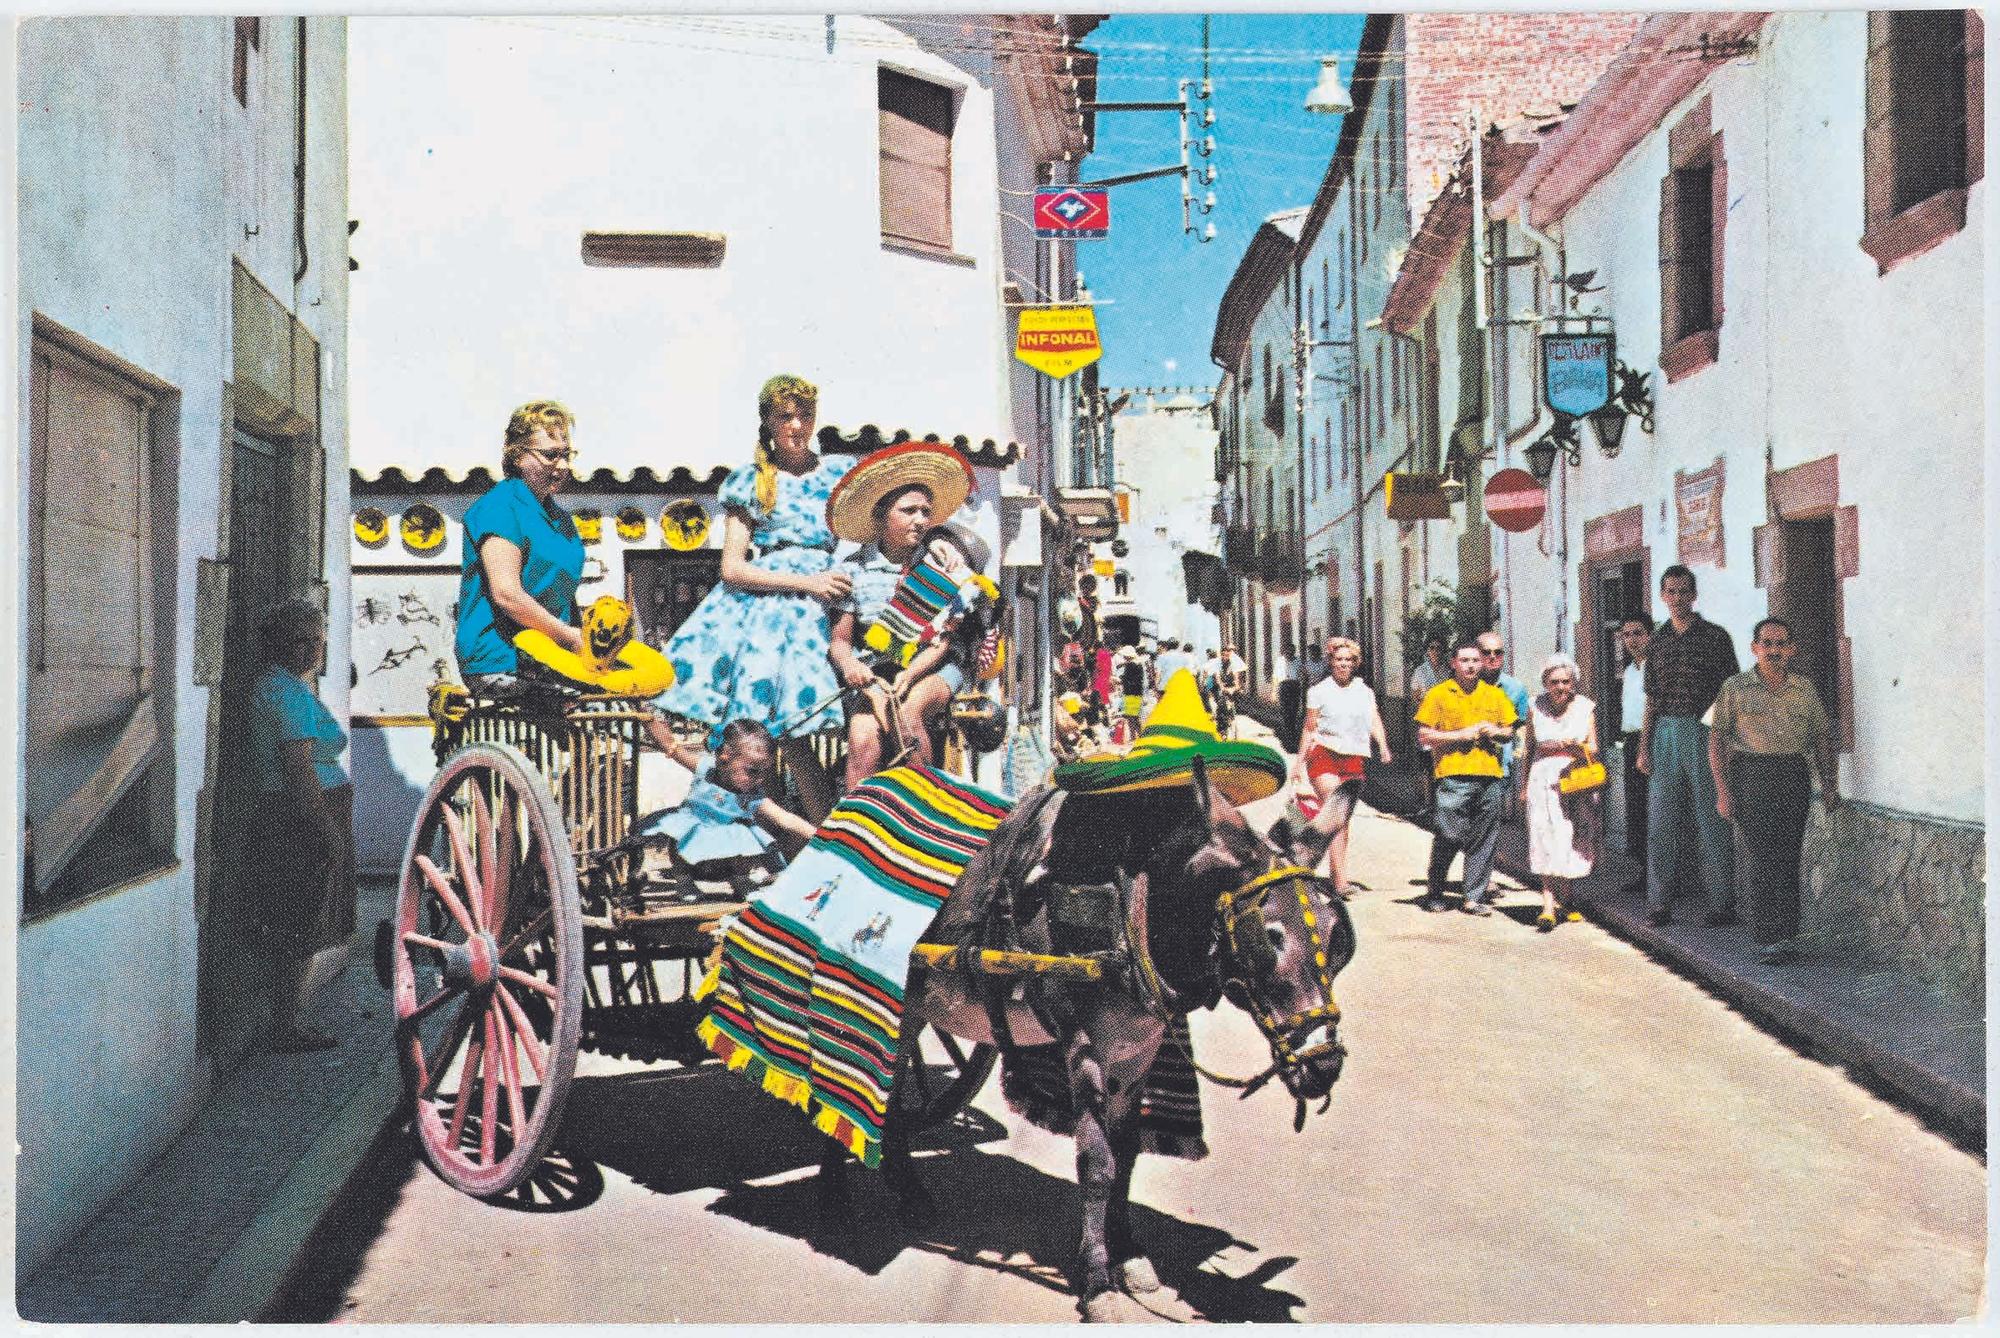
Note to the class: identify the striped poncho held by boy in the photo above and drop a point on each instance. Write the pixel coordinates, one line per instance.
(926, 605)
(807, 999)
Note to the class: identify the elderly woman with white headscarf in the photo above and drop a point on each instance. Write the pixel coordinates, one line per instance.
(1563, 830)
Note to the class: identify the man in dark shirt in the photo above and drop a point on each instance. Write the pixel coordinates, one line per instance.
(1686, 665)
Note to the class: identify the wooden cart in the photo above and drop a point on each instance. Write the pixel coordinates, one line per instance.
(528, 927)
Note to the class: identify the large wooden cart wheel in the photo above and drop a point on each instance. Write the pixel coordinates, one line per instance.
(937, 1074)
(487, 969)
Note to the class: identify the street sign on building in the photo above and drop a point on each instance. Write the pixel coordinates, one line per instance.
(1071, 213)
(1576, 372)
(1057, 340)
(1415, 497)
(1514, 501)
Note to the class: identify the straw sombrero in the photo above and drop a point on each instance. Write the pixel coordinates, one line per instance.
(1177, 732)
(943, 472)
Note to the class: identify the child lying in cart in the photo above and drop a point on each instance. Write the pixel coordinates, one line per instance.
(727, 825)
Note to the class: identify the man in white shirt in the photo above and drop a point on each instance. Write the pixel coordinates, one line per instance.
(1433, 671)
(1635, 634)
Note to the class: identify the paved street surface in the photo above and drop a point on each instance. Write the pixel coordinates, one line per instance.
(1531, 1129)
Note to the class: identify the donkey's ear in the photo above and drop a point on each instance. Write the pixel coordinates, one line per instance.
(1204, 796)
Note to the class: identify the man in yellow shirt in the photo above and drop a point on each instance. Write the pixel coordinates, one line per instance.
(1465, 722)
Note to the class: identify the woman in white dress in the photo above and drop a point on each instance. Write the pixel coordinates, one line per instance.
(1563, 830)
(1342, 723)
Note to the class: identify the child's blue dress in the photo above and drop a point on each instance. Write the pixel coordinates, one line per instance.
(711, 823)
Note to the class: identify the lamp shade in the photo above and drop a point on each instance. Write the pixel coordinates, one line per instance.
(1610, 424)
(1541, 459)
(1329, 95)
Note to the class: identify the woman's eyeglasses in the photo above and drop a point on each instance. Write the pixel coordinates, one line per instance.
(559, 456)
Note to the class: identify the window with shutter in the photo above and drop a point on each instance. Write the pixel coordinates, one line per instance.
(97, 792)
(915, 119)
(1694, 208)
(1924, 141)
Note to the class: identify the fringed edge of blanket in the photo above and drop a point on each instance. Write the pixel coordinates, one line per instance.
(1016, 1091)
(786, 1087)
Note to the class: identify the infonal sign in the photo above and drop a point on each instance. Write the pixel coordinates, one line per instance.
(1576, 372)
(1056, 341)
(1070, 213)
(1514, 501)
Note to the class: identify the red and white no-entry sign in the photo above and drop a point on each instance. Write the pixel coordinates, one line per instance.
(1514, 501)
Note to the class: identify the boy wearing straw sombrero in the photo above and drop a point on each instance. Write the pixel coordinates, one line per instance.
(889, 503)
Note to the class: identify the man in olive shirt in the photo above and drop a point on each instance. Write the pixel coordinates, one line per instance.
(1767, 722)
(1464, 722)
(1685, 667)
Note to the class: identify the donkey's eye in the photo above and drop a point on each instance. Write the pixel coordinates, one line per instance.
(1276, 935)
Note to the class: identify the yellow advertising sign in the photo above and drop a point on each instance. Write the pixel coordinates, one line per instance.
(1103, 567)
(1056, 341)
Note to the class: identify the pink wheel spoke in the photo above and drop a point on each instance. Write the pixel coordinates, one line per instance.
(520, 977)
(483, 834)
(454, 1036)
(506, 850)
(530, 930)
(444, 893)
(428, 1006)
(474, 1063)
(530, 1043)
(510, 1070)
(461, 858)
(489, 1088)
(426, 941)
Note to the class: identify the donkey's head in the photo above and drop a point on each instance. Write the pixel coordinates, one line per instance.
(1272, 936)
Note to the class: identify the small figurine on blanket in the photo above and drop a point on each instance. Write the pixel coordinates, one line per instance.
(726, 825)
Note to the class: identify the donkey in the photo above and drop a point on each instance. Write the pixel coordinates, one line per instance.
(1217, 910)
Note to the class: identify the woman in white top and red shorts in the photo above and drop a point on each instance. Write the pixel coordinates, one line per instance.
(1342, 720)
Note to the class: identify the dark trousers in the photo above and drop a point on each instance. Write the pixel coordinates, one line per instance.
(1772, 794)
(1467, 818)
(1635, 800)
(1291, 713)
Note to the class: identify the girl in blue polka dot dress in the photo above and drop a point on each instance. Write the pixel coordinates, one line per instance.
(756, 647)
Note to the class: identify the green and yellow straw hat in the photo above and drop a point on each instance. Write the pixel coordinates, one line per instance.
(1177, 732)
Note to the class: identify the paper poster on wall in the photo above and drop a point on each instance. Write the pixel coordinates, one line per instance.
(1698, 505)
(404, 618)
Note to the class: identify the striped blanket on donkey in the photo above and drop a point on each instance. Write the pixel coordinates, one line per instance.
(807, 998)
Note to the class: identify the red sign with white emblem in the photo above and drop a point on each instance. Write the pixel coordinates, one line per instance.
(1070, 213)
(1514, 501)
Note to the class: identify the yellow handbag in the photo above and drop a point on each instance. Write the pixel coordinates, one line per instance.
(1583, 777)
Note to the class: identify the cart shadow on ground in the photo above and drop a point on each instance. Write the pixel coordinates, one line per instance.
(677, 1130)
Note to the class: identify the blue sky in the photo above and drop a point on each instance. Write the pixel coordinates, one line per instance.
(1162, 288)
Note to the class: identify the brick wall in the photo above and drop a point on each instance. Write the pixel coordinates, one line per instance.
(1514, 67)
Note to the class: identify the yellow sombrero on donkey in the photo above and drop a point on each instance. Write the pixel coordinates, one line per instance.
(1177, 732)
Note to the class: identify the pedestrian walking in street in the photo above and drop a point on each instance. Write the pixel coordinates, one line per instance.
(1342, 722)
(1563, 829)
(1131, 673)
(523, 556)
(1232, 679)
(1768, 729)
(300, 857)
(1686, 665)
(756, 646)
(904, 582)
(1634, 635)
(1464, 721)
(1492, 668)
(1290, 694)
(1432, 671)
(1206, 676)
(1315, 668)
(1173, 658)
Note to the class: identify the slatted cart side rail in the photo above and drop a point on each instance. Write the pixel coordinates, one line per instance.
(588, 755)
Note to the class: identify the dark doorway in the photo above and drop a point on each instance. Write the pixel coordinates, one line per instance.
(1806, 599)
(664, 587)
(1620, 593)
(232, 965)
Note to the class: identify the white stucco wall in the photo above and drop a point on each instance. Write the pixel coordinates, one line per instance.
(128, 217)
(1819, 355)
(485, 148)
(1167, 457)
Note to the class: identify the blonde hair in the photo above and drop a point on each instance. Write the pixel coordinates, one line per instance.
(545, 415)
(1336, 644)
(774, 392)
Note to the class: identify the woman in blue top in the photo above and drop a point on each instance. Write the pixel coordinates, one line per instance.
(756, 647)
(523, 556)
(301, 855)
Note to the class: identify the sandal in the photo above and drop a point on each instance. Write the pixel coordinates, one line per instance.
(1545, 922)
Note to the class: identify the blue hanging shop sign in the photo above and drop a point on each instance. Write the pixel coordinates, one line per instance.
(1576, 372)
